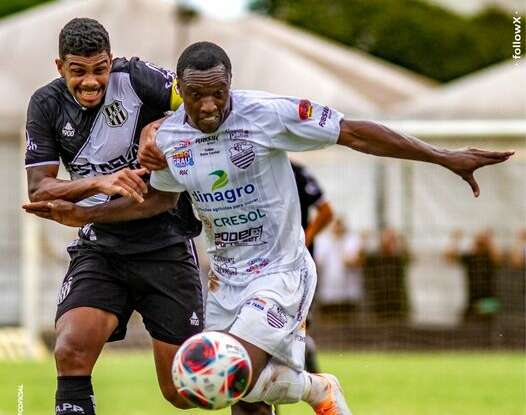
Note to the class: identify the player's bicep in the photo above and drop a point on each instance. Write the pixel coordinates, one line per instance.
(36, 177)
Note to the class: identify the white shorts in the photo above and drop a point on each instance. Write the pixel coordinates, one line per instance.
(269, 312)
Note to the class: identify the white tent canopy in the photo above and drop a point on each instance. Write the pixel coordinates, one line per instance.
(265, 55)
(497, 92)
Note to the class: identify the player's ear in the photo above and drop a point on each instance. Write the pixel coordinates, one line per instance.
(177, 87)
(60, 66)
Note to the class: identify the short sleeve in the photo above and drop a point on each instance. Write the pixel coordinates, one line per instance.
(304, 125)
(41, 144)
(164, 181)
(154, 85)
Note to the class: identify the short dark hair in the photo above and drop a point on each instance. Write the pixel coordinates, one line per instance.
(84, 37)
(203, 56)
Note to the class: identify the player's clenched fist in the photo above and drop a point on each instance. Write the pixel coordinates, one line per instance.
(125, 182)
(149, 154)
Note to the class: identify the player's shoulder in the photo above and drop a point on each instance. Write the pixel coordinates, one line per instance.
(49, 96)
(265, 107)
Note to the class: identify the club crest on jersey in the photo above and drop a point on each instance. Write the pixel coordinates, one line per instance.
(115, 114)
(242, 154)
(276, 317)
(183, 158)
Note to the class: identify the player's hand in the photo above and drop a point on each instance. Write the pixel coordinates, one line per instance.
(125, 182)
(149, 154)
(61, 211)
(464, 162)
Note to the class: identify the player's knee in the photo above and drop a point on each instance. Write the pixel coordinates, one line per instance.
(71, 356)
(171, 395)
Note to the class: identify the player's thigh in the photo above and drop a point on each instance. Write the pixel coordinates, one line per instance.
(170, 300)
(92, 307)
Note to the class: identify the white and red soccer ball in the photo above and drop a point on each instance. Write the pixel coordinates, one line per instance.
(212, 370)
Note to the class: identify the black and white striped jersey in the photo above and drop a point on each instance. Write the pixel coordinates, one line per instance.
(104, 140)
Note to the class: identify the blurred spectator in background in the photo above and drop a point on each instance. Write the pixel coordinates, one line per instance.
(311, 198)
(480, 262)
(517, 257)
(339, 261)
(385, 277)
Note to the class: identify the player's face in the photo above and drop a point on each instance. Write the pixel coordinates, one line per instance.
(86, 76)
(206, 96)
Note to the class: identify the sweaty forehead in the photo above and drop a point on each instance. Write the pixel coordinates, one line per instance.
(213, 76)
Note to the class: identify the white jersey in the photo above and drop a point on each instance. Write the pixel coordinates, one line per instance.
(241, 182)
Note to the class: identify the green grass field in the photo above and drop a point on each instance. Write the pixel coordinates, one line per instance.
(375, 384)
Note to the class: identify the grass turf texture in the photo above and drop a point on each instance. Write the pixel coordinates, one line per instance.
(374, 383)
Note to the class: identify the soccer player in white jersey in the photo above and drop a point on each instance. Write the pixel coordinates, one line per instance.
(227, 148)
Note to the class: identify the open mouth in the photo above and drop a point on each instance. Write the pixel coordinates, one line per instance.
(89, 95)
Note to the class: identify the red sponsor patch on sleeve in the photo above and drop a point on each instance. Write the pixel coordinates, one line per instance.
(304, 109)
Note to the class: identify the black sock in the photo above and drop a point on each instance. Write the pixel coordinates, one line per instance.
(74, 396)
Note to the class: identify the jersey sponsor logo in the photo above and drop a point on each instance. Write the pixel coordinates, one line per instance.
(242, 154)
(226, 270)
(241, 219)
(183, 172)
(64, 290)
(246, 237)
(325, 114)
(115, 114)
(222, 179)
(304, 109)
(168, 75)
(276, 317)
(229, 195)
(183, 144)
(237, 134)
(256, 265)
(113, 165)
(30, 144)
(224, 259)
(209, 139)
(68, 130)
(194, 320)
(183, 158)
(257, 303)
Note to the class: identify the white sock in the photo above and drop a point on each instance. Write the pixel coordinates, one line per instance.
(279, 384)
(317, 390)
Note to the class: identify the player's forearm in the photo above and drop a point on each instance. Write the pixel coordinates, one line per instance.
(51, 188)
(379, 140)
(125, 209)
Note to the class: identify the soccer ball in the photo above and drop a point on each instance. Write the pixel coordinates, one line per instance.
(211, 370)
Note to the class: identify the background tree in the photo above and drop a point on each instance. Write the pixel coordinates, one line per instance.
(414, 34)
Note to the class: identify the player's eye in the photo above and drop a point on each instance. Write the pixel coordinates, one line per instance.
(196, 95)
(219, 94)
(77, 72)
(100, 71)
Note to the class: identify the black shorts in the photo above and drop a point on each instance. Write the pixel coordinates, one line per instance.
(163, 286)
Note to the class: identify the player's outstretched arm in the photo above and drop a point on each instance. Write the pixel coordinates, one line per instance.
(122, 209)
(372, 138)
(42, 184)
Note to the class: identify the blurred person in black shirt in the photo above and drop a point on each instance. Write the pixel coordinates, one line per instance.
(311, 197)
